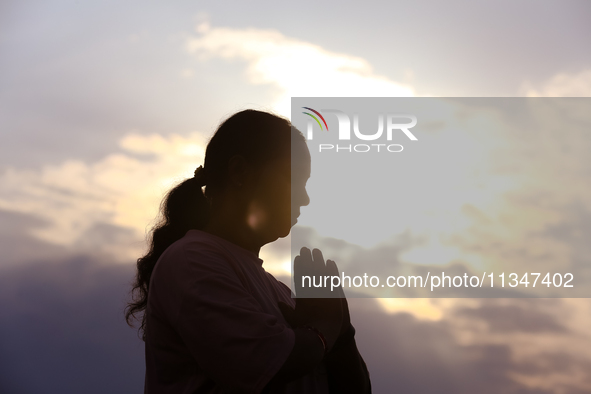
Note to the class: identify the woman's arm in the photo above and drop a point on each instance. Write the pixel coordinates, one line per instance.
(347, 372)
(305, 356)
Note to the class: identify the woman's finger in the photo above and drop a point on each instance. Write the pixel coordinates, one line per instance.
(318, 261)
(334, 271)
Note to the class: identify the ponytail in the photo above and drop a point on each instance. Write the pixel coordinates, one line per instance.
(184, 208)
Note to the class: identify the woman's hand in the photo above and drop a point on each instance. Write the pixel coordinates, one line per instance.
(316, 306)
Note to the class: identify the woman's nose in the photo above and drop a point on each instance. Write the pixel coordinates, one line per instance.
(305, 199)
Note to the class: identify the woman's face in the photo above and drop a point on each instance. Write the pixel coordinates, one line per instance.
(279, 194)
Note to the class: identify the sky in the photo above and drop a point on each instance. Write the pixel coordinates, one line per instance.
(105, 105)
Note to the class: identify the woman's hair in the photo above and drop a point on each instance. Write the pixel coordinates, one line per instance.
(259, 137)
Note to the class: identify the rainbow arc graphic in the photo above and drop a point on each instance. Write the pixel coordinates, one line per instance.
(315, 118)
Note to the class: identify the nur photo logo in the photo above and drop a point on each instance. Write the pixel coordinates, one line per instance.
(391, 123)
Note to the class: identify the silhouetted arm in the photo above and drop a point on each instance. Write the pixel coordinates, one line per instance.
(347, 372)
(305, 356)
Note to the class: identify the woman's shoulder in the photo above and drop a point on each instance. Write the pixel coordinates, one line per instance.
(194, 258)
(196, 249)
(202, 242)
(199, 252)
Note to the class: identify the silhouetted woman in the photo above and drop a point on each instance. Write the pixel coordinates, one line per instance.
(214, 321)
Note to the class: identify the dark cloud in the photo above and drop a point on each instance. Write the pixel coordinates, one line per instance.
(62, 330)
(18, 245)
(408, 355)
(514, 318)
(108, 239)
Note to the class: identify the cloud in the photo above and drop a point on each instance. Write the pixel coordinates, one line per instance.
(104, 207)
(494, 187)
(461, 353)
(542, 335)
(107, 205)
(513, 318)
(562, 85)
(65, 321)
(293, 67)
(17, 243)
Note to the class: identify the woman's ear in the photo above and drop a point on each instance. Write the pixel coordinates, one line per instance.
(239, 171)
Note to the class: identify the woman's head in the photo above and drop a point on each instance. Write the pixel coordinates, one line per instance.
(255, 171)
(257, 137)
(249, 164)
